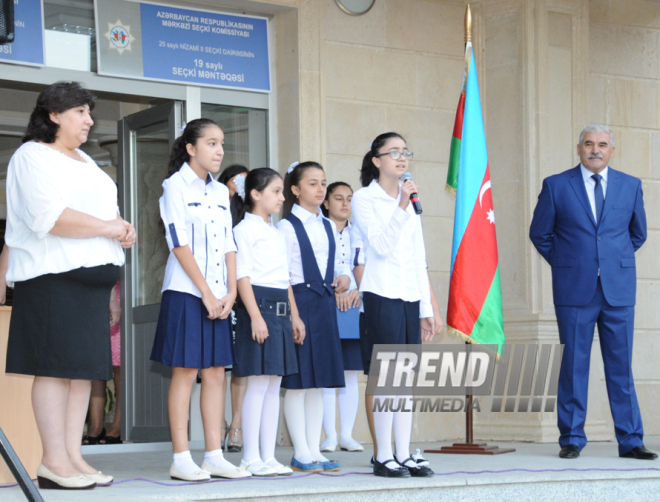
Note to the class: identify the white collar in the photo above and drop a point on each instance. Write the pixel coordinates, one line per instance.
(304, 215)
(377, 191)
(189, 175)
(587, 175)
(254, 217)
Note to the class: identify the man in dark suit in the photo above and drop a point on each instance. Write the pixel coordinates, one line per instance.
(588, 223)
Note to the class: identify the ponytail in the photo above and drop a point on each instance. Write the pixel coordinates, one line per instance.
(369, 171)
(179, 154)
(292, 179)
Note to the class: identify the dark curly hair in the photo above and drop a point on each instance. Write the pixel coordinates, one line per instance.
(369, 171)
(56, 98)
(179, 154)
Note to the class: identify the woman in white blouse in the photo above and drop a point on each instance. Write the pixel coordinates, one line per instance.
(66, 240)
(395, 285)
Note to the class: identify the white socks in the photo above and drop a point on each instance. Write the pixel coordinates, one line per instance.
(401, 422)
(348, 406)
(217, 459)
(303, 410)
(184, 462)
(261, 411)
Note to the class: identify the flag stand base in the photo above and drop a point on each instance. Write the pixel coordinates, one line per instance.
(472, 449)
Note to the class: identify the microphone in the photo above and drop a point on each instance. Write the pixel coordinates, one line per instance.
(414, 198)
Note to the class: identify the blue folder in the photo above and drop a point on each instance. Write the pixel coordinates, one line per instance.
(349, 323)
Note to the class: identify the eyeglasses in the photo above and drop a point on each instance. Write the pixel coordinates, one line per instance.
(396, 154)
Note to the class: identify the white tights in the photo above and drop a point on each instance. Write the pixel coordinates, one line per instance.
(348, 406)
(401, 423)
(261, 411)
(303, 410)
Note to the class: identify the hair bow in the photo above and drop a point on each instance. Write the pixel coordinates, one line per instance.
(239, 183)
(292, 167)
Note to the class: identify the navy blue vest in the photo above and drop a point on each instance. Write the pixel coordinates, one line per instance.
(311, 272)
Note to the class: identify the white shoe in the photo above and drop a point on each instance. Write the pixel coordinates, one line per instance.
(49, 480)
(262, 472)
(232, 473)
(282, 470)
(99, 478)
(200, 475)
(419, 460)
(330, 444)
(350, 444)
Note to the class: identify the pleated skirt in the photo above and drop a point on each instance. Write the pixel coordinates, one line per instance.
(187, 338)
(60, 325)
(277, 355)
(320, 361)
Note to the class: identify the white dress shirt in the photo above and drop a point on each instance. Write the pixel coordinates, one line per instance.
(261, 253)
(343, 251)
(357, 247)
(41, 183)
(395, 262)
(196, 214)
(318, 238)
(590, 185)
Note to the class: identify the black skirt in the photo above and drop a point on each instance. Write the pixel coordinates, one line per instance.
(277, 355)
(60, 325)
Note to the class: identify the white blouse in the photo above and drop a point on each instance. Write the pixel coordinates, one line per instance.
(261, 253)
(343, 251)
(318, 237)
(41, 183)
(196, 214)
(395, 261)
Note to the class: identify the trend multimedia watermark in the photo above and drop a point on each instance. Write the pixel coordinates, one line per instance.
(522, 378)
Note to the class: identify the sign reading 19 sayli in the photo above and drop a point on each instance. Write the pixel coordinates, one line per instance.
(204, 48)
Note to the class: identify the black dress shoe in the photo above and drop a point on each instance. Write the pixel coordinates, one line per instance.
(569, 451)
(640, 453)
(418, 471)
(381, 469)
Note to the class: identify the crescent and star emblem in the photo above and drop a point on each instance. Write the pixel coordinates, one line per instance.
(491, 213)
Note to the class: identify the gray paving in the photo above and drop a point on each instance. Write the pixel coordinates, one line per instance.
(533, 472)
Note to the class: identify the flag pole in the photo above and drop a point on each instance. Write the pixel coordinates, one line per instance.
(469, 447)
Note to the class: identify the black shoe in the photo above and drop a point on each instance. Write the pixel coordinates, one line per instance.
(640, 453)
(569, 451)
(419, 471)
(381, 469)
(372, 461)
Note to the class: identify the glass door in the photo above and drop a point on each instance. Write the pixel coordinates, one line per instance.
(145, 140)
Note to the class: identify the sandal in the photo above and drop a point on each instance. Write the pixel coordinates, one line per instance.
(234, 444)
(223, 435)
(90, 440)
(111, 440)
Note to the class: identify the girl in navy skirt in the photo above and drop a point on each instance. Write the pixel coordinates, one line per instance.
(337, 207)
(395, 285)
(199, 290)
(265, 314)
(311, 255)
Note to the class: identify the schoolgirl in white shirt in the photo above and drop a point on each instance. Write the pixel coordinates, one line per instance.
(311, 255)
(199, 290)
(395, 285)
(337, 207)
(267, 320)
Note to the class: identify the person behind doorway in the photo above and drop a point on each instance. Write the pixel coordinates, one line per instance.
(311, 256)
(193, 331)
(337, 208)
(234, 178)
(395, 284)
(267, 324)
(66, 239)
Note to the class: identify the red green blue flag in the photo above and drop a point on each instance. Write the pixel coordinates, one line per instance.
(455, 150)
(475, 296)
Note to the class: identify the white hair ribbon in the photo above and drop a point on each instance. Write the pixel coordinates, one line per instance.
(183, 127)
(239, 182)
(292, 167)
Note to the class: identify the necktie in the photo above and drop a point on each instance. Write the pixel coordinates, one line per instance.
(598, 196)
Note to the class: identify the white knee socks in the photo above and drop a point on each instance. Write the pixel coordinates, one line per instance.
(270, 415)
(261, 410)
(401, 422)
(348, 404)
(314, 422)
(303, 410)
(330, 412)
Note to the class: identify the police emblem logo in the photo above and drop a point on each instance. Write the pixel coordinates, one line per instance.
(120, 37)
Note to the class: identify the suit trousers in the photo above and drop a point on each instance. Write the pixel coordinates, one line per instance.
(576, 332)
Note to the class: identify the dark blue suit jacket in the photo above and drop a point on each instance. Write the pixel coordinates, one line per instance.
(565, 232)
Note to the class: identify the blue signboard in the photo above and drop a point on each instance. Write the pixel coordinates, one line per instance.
(205, 48)
(28, 45)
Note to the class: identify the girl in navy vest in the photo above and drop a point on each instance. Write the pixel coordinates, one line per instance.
(265, 314)
(337, 207)
(395, 285)
(311, 255)
(199, 290)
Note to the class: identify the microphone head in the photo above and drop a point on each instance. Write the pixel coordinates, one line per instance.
(406, 176)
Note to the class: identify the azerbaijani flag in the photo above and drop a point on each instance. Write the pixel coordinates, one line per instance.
(475, 295)
(455, 150)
